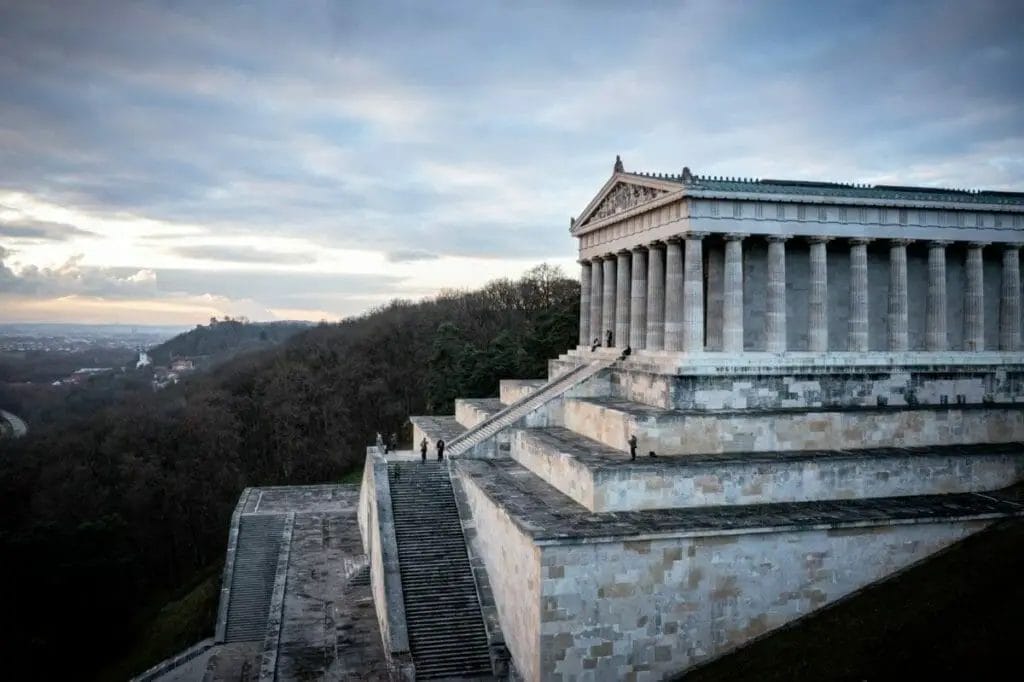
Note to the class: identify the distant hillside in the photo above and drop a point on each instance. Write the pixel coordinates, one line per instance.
(223, 339)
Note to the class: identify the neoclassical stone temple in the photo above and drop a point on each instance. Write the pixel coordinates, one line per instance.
(693, 264)
(830, 377)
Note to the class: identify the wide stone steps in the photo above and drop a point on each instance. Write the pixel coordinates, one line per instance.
(604, 479)
(252, 578)
(445, 625)
(517, 410)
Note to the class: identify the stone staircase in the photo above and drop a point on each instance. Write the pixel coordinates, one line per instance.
(447, 637)
(519, 409)
(252, 579)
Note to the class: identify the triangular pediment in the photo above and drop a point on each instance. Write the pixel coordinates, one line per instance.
(620, 194)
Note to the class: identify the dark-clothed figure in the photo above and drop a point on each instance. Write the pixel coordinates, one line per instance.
(423, 450)
(394, 443)
(625, 353)
(632, 446)
(440, 450)
(595, 344)
(608, 337)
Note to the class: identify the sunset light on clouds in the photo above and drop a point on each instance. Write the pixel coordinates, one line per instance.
(166, 162)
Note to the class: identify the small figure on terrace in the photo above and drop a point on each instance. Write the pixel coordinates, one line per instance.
(608, 338)
(380, 443)
(595, 344)
(625, 353)
(423, 450)
(632, 446)
(440, 450)
(394, 442)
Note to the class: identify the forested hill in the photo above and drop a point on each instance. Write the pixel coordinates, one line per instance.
(126, 504)
(223, 339)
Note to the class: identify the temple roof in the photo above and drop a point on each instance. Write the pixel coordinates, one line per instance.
(835, 189)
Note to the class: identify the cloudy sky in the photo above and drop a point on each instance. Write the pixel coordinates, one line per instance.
(166, 161)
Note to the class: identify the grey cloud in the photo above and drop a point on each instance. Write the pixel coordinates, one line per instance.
(253, 128)
(25, 228)
(242, 254)
(410, 255)
(73, 278)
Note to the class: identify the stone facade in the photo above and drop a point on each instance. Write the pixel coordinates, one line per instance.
(893, 256)
(641, 609)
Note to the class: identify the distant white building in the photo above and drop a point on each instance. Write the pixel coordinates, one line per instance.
(144, 360)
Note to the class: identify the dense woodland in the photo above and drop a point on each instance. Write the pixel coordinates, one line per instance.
(122, 503)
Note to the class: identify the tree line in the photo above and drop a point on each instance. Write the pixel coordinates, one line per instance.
(127, 500)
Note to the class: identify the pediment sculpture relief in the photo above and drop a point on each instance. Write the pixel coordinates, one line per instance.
(624, 197)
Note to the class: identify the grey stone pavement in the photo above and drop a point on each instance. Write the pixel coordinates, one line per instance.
(329, 627)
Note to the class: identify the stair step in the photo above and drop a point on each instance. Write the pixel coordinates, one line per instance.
(447, 637)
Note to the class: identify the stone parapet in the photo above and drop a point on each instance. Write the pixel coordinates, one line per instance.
(377, 527)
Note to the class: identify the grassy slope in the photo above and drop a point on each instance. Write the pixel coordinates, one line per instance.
(177, 625)
(956, 616)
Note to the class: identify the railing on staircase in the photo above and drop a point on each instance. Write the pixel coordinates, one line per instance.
(522, 407)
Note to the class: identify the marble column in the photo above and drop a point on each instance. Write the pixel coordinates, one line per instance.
(817, 305)
(858, 339)
(596, 303)
(899, 334)
(610, 283)
(775, 306)
(1009, 301)
(715, 295)
(623, 299)
(674, 294)
(584, 303)
(693, 294)
(935, 336)
(974, 299)
(656, 296)
(732, 308)
(638, 303)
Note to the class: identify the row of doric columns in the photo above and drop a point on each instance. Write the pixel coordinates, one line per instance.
(653, 297)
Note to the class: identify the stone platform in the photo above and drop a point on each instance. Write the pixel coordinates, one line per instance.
(604, 479)
(561, 574)
(611, 421)
(642, 594)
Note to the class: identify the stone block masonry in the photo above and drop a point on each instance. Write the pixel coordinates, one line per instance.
(647, 594)
(605, 480)
(692, 432)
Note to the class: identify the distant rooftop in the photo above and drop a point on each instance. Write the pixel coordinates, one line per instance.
(832, 189)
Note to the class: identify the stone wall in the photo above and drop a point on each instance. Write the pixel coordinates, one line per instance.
(376, 525)
(643, 609)
(603, 484)
(837, 385)
(511, 390)
(673, 433)
(513, 565)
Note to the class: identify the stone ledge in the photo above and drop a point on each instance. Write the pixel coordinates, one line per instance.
(434, 428)
(548, 517)
(603, 479)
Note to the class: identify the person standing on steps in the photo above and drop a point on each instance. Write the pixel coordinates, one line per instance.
(609, 336)
(440, 450)
(632, 447)
(423, 450)
(394, 442)
(380, 443)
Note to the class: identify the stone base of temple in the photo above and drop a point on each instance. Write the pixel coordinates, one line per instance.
(780, 483)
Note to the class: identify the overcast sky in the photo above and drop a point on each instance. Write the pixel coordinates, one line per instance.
(167, 161)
